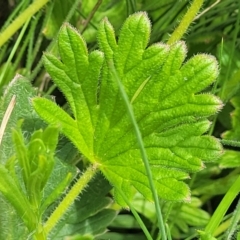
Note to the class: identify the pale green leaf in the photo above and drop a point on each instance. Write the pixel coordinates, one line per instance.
(230, 159)
(22, 89)
(165, 93)
(13, 203)
(27, 160)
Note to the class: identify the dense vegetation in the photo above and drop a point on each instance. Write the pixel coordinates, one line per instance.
(119, 119)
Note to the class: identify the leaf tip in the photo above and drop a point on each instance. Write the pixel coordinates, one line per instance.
(187, 198)
(202, 166)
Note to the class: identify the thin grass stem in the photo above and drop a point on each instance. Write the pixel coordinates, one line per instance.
(136, 215)
(223, 207)
(30, 56)
(13, 51)
(143, 152)
(235, 35)
(20, 20)
(89, 18)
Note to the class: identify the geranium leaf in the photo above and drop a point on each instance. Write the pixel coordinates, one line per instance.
(165, 96)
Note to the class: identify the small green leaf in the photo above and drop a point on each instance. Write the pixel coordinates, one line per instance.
(234, 133)
(17, 198)
(22, 156)
(165, 96)
(230, 159)
(50, 138)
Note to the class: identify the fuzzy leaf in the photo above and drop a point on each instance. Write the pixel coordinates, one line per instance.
(165, 95)
(19, 154)
(23, 90)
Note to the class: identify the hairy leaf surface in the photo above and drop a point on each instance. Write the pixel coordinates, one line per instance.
(165, 96)
(20, 151)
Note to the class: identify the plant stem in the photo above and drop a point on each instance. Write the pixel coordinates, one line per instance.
(68, 200)
(230, 142)
(186, 21)
(20, 20)
(137, 217)
(95, 8)
(231, 57)
(13, 51)
(143, 152)
(223, 207)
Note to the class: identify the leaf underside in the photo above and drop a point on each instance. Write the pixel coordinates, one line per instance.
(165, 95)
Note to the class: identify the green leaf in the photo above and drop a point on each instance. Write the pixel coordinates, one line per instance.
(13, 203)
(182, 215)
(215, 187)
(230, 159)
(9, 220)
(32, 178)
(23, 90)
(17, 198)
(165, 95)
(234, 133)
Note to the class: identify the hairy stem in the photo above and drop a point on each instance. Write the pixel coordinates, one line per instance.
(20, 20)
(137, 217)
(68, 200)
(186, 21)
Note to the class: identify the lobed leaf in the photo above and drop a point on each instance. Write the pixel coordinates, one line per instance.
(165, 94)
